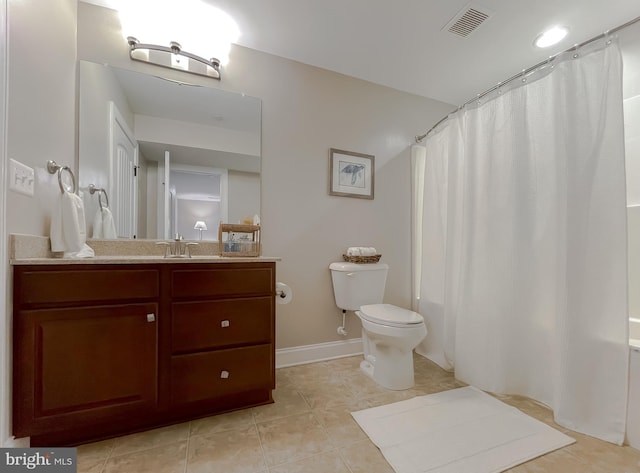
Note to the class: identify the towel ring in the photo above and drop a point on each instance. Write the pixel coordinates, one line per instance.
(93, 189)
(53, 168)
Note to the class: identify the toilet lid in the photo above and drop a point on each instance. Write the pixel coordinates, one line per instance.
(390, 315)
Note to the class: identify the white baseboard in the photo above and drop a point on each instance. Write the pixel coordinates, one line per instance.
(13, 442)
(319, 352)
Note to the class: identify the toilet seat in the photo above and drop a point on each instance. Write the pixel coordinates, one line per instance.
(391, 315)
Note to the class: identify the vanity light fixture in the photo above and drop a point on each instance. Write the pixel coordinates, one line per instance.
(178, 26)
(173, 57)
(200, 225)
(551, 36)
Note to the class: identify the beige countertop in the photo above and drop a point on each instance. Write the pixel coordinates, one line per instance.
(142, 260)
(31, 250)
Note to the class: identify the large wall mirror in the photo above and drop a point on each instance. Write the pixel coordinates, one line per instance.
(168, 155)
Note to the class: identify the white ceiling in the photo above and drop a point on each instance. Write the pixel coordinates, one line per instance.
(402, 44)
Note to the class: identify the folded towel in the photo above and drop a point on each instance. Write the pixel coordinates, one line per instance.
(67, 232)
(103, 225)
(361, 251)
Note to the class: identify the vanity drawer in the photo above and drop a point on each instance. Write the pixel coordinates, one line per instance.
(222, 323)
(203, 376)
(230, 281)
(85, 285)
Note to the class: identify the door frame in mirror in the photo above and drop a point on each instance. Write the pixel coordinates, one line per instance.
(222, 174)
(234, 138)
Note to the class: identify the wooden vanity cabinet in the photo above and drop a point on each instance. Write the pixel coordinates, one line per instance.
(102, 350)
(85, 347)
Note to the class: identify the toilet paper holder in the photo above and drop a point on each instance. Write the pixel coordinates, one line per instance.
(283, 293)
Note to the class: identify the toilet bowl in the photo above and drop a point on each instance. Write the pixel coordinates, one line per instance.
(389, 335)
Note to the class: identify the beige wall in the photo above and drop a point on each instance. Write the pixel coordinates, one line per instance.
(306, 111)
(41, 114)
(41, 102)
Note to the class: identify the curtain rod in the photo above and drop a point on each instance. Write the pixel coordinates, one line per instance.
(524, 72)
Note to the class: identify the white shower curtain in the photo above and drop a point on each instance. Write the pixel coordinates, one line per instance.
(523, 271)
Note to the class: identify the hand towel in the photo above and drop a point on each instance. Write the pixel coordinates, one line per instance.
(103, 224)
(97, 224)
(108, 224)
(68, 225)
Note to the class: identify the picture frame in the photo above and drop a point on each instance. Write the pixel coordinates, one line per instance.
(351, 174)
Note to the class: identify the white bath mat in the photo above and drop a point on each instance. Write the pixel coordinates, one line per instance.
(458, 431)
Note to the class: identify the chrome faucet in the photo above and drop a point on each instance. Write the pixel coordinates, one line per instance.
(177, 248)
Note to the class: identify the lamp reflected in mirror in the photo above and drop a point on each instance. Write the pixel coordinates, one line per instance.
(200, 225)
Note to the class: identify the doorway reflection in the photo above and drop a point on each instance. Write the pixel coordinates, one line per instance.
(197, 195)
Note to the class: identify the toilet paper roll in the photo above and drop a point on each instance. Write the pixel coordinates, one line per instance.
(283, 293)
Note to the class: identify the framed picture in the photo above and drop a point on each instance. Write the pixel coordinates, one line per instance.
(352, 174)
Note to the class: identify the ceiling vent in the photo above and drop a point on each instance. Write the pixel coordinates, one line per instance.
(467, 20)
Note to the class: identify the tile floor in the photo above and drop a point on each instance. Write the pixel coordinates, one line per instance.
(309, 429)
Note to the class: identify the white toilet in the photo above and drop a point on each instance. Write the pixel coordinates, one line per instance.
(389, 333)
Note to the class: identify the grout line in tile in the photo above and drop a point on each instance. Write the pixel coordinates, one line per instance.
(299, 393)
(310, 411)
(264, 454)
(186, 450)
(336, 449)
(344, 460)
(306, 401)
(104, 465)
(107, 457)
(278, 465)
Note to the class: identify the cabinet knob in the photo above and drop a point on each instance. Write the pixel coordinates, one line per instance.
(224, 323)
(224, 374)
(151, 317)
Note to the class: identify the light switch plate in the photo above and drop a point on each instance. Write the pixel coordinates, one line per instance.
(21, 178)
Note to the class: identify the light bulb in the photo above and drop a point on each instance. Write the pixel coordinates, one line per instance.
(551, 36)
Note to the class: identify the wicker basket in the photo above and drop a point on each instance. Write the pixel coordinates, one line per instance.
(245, 247)
(362, 259)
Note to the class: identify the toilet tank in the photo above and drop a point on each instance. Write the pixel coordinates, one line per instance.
(358, 284)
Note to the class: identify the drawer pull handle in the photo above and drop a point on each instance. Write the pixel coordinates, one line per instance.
(224, 324)
(224, 374)
(151, 317)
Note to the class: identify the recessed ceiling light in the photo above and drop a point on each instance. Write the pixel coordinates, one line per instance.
(551, 36)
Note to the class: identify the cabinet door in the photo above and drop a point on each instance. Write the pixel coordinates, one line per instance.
(80, 366)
